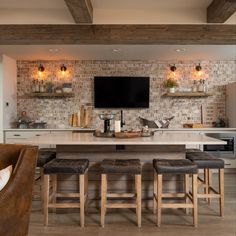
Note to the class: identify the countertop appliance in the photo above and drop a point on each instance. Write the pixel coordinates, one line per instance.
(223, 151)
(231, 104)
(106, 118)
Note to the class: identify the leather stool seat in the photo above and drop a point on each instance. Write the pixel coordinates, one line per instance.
(44, 156)
(68, 166)
(126, 166)
(178, 166)
(205, 160)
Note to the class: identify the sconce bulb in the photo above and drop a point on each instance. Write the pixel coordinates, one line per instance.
(199, 73)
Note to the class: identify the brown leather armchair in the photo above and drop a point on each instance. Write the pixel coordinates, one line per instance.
(16, 196)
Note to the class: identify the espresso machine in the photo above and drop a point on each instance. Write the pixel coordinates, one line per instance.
(106, 117)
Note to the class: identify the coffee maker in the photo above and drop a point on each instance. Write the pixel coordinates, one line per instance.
(106, 118)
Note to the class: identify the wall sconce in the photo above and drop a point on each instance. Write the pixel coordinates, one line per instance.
(41, 69)
(173, 69)
(198, 68)
(63, 69)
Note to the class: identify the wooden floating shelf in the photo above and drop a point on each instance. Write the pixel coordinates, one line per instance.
(49, 95)
(187, 94)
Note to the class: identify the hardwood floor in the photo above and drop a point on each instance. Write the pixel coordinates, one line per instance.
(123, 221)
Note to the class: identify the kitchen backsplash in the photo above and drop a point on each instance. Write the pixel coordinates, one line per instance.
(56, 111)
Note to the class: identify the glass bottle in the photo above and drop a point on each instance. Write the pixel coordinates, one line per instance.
(200, 86)
(41, 87)
(37, 90)
(204, 86)
(33, 87)
(194, 88)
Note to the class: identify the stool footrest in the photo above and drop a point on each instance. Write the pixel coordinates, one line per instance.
(121, 205)
(68, 195)
(120, 195)
(64, 205)
(209, 195)
(176, 205)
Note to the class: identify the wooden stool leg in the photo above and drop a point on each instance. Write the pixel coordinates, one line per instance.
(54, 190)
(41, 188)
(46, 198)
(159, 198)
(138, 184)
(86, 190)
(221, 191)
(186, 185)
(154, 192)
(103, 198)
(206, 179)
(209, 184)
(195, 201)
(81, 191)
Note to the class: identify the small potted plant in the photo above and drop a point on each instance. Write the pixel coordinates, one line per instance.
(171, 84)
(49, 87)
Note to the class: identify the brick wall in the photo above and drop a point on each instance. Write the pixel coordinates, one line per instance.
(56, 111)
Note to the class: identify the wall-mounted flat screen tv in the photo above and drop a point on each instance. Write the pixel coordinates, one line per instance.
(121, 92)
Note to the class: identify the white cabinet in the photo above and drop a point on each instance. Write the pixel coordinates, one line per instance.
(18, 137)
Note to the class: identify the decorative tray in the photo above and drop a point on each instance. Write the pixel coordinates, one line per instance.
(125, 134)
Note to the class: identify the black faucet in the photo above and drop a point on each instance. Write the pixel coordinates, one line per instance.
(122, 122)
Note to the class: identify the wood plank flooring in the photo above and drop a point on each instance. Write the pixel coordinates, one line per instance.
(123, 221)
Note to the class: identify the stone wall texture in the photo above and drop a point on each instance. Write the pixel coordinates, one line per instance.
(56, 111)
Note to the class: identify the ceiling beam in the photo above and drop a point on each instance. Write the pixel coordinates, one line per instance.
(81, 10)
(220, 10)
(118, 34)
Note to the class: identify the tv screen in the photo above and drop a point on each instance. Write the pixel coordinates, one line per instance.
(121, 92)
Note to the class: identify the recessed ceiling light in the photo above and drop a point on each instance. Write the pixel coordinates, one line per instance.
(116, 50)
(53, 50)
(181, 50)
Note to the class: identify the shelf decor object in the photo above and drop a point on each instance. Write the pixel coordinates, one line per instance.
(187, 94)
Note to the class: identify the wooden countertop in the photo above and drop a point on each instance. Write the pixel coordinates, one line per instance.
(165, 138)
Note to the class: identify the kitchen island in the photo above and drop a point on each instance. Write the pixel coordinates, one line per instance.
(85, 145)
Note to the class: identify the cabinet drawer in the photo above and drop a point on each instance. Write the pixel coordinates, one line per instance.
(24, 134)
(229, 163)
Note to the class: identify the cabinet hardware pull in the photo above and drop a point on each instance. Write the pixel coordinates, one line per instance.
(227, 164)
(37, 135)
(17, 135)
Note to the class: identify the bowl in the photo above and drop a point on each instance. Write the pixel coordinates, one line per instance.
(106, 116)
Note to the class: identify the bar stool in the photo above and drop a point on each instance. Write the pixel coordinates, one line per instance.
(45, 155)
(208, 162)
(175, 167)
(65, 166)
(127, 166)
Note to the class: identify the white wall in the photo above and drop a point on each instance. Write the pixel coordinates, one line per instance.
(8, 93)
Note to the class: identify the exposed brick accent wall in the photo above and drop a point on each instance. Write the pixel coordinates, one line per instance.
(56, 111)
